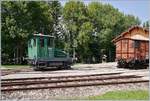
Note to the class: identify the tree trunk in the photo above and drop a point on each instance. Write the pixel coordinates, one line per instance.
(17, 55)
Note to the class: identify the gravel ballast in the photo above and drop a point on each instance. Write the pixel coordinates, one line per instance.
(69, 93)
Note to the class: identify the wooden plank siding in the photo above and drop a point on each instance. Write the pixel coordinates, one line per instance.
(125, 44)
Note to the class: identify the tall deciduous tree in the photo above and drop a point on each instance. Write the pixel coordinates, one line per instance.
(146, 24)
(74, 15)
(109, 22)
(87, 29)
(19, 20)
(84, 38)
(58, 30)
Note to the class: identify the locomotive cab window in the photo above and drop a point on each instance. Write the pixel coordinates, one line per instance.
(34, 42)
(50, 42)
(42, 42)
(136, 44)
(30, 43)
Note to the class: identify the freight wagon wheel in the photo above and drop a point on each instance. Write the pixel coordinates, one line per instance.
(36, 68)
(121, 64)
(131, 65)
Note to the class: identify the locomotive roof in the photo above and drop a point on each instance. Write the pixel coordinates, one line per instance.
(42, 35)
(135, 37)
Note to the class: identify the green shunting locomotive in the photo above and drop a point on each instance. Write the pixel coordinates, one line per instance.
(43, 54)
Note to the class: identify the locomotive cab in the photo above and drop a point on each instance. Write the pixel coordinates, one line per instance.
(42, 53)
(39, 45)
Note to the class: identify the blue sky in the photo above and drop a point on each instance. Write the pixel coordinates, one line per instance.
(139, 8)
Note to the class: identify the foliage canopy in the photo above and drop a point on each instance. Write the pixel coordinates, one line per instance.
(87, 28)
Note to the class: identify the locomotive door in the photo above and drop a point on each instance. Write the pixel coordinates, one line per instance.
(50, 47)
(42, 47)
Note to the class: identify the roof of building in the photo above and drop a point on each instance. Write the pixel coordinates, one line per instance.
(136, 37)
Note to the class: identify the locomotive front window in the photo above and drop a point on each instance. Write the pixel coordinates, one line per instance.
(42, 42)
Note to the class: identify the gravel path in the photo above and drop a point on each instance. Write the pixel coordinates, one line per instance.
(70, 93)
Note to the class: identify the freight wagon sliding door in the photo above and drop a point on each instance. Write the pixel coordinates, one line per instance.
(138, 49)
(131, 53)
(144, 49)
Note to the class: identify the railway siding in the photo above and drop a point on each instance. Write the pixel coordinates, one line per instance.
(77, 82)
(69, 81)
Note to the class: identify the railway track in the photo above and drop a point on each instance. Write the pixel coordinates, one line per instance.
(68, 81)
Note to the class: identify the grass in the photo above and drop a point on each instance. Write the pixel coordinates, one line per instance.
(15, 66)
(115, 96)
(123, 95)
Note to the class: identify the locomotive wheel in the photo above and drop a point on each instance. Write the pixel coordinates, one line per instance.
(36, 68)
(59, 67)
(68, 67)
(119, 65)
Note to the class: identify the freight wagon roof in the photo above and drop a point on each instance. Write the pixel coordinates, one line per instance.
(139, 37)
(135, 37)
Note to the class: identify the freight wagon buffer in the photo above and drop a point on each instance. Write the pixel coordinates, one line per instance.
(132, 48)
(42, 54)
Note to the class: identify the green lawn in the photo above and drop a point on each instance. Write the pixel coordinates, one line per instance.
(123, 95)
(15, 66)
(115, 96)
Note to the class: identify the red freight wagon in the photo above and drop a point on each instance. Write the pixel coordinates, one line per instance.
(132, 48)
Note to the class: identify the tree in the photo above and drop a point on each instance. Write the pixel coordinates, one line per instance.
(74, 15)
(84, 39)
(109, 23)
(87, 29)
(146, 24)
(19, 20)
(58, 30)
